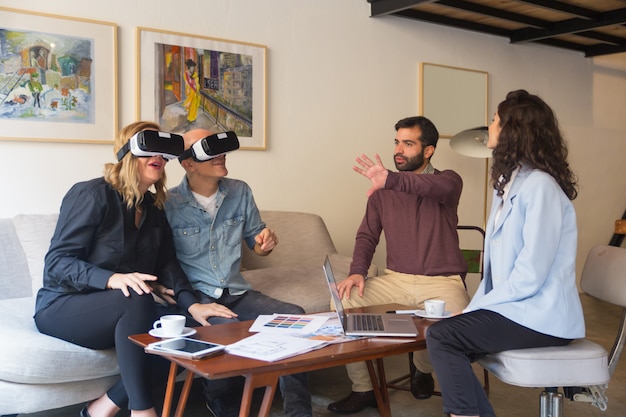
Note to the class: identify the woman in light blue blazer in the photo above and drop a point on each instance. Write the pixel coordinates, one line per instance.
(528, 296)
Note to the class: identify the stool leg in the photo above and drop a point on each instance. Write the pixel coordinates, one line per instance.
(551, 404)
(545, 404)
(557, 405)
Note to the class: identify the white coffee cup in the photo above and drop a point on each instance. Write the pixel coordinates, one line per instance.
(170, 325)
(434, 307)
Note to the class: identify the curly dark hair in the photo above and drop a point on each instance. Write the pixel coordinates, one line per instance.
(531, 136)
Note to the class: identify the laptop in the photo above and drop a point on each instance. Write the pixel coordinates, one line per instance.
(368, 324)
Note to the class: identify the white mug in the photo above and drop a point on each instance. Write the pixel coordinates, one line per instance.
(170, 325)
(434, 307)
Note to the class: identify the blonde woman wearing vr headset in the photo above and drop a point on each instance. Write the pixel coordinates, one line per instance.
(112, 243)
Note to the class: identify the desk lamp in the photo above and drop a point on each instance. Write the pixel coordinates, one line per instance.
(473, 143)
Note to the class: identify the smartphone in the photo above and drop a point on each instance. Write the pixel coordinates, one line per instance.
(186, 348)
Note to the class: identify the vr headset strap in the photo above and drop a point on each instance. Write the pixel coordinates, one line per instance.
(186, 154)
(123, 151)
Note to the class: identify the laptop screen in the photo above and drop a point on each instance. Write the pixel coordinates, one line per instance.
(332, 285)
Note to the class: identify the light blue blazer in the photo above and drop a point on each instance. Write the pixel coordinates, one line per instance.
(530, 258)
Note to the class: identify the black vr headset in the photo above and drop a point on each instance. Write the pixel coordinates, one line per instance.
(211, 147)
(153, 143)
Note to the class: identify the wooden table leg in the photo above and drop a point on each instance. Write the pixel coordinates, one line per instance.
(269, 381)
(169, 391)
(379, 384)
(184, 394)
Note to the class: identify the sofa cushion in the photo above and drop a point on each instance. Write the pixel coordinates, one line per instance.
(15, 280)
(303, 239)
(35, 232)
(35, 358)
(301, 285)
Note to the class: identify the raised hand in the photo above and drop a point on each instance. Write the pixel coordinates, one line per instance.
(375, 171)
(266, 241)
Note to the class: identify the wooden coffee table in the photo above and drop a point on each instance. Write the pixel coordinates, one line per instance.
(265, 374)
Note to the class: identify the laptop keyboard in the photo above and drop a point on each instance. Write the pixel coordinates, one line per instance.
(368, 322)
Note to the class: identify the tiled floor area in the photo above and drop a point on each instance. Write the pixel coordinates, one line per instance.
(332, 384)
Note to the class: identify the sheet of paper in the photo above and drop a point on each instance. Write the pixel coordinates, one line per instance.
(331, 331)
(271, 347)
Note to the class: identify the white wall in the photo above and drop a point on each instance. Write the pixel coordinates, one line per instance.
(338, 80)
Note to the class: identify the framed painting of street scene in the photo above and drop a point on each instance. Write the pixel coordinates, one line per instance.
(187, 82)
(58, 78)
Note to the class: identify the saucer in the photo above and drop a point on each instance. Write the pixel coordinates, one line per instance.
(422, 313)
(187, 331)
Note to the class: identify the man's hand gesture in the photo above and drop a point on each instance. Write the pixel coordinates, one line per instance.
(376, 172)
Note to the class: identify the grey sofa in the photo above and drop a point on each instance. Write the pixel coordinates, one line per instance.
(39, 372)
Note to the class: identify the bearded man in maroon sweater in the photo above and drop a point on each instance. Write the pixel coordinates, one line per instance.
(417, 210)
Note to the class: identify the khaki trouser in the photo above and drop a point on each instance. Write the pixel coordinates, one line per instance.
(409, 290)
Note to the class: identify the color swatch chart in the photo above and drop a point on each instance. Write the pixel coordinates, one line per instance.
(289, 322)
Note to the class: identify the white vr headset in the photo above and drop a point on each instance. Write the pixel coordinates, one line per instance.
(153, 143)
(211, 146)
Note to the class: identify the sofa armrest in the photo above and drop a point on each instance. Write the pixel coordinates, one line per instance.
(15, 279)
(341, 266)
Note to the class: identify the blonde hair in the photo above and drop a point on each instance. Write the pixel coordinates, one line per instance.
(123, 175)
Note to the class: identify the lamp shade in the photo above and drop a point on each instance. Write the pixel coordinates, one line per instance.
(472, 142)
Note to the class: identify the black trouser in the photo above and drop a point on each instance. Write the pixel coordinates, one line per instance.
(454, 343)
(105, 319)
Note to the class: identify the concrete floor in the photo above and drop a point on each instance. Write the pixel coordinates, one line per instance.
(602, 321)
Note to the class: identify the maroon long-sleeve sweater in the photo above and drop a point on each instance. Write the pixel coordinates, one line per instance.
(418, 214)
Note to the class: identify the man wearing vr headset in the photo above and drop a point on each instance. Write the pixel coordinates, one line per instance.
(210, 215)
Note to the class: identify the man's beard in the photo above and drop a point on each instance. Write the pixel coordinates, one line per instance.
(410, 164)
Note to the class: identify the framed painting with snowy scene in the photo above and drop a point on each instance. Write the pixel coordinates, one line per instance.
(58, 78)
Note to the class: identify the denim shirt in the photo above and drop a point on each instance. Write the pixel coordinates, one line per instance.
(209, 250)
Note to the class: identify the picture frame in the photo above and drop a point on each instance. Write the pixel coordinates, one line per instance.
(456, 99)
(453, 98)
(58, 78)
(189, 81)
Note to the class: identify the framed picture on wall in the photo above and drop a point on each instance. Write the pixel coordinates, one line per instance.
(58, 78)
(188, 81)
(454, 99)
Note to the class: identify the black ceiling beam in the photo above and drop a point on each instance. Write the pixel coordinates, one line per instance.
(539, 31)
(604, 49)
(604, 37)
(570, 26)
(564, 7)
(522, 19)
(448, 21)
(490, 11)
(462, 24)
(385, 7)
